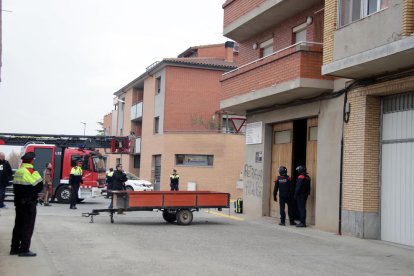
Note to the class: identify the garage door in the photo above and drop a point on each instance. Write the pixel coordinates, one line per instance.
(397, 169)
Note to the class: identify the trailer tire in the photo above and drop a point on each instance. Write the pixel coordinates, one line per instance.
(63, 194)
(184, 217)
(169, 217)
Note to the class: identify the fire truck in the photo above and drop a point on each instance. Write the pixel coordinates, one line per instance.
(62, 151)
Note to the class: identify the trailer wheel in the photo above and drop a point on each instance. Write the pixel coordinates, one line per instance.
(169, 217)
(63, 194)
(184, 217)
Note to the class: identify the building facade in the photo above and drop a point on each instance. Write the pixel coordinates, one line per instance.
(173, 108)
(328, 84)
(288, 103)
(371, 44)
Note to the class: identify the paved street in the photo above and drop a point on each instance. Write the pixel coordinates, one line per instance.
(141, 243)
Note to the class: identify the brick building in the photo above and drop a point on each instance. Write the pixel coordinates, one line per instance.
(311, 75)
(173, 108)
(372, 45)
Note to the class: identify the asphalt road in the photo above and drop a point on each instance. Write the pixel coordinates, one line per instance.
(141, 243)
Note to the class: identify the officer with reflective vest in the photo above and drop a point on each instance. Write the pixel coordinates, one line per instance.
(302, 191)
(174, 181)
(75, 179)
(286, 189)
(27, 183)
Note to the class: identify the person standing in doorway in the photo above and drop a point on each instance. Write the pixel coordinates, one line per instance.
(27, 183)
(286, 189)
(302, 191)
(6, 174)
(174, 181)
(75, 179)
(47, 182)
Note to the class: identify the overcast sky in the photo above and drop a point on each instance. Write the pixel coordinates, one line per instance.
(64, 59)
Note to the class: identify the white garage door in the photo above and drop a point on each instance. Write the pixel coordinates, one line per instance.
(397, 172)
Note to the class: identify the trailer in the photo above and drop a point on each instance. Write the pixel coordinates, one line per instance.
(174, 205)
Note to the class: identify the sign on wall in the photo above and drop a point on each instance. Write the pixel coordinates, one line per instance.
(254, 133)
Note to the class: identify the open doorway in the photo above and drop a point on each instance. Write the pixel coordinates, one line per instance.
(299, 145)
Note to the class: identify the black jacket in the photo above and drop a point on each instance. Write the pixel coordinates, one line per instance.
(6, 173)
(284, 185)
(303, 185)
(118, 180)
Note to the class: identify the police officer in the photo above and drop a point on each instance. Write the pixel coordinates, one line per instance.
(302, 192)
(286, 189)
(27, 183)
(75, 179)
(174, 180)
(109, 181)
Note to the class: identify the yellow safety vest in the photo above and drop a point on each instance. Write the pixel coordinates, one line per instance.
(110, 174)
(26, 175)
(76, 170)
(176, 176)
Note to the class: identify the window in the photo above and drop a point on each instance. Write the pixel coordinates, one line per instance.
(194, 160)
(266, 48)
(156, 124)
(353, 10)
(299, 33)
(313, 133)
(137, 161)
(158, 85)
(282, 137)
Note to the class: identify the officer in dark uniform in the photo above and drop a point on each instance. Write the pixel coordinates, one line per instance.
(75, 179)
(302, 191)
(174, 181)
(27, 183)
(286, 189)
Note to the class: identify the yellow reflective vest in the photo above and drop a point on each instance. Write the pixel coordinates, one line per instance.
(26, 175)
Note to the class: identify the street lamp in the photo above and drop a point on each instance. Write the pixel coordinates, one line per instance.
(84, 128)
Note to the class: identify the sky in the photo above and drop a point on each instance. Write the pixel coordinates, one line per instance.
(64, 59)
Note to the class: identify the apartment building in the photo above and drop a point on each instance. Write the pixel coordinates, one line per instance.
(371, 45)
(293, 116)
(173, 108)
(345, 110)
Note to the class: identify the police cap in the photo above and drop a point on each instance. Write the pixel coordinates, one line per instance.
(28, 156)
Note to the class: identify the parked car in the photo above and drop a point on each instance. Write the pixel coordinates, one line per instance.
(134, 183)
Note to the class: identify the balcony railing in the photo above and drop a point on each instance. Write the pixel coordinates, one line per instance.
(136, 112)
(135, 148)
(285, 75)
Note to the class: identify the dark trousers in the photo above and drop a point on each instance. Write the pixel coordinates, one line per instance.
(174, 187)
(2, 194)
(283, 201)
(301, 201)
(24, 224)
(74, 195)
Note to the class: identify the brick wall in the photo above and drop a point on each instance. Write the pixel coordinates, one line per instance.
(236, 8)
(362, 144)
(408, 18)
(212, 52)
(282, 35)
(272, 70)
(329, 30)
(190, 93)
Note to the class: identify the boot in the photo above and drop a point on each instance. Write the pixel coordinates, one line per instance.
(27, 254)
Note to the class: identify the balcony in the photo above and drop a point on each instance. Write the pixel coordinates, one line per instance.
(395, 56)
(246, 18)
(371, 46)
(137, 148)
(290, 74)
(136, 112)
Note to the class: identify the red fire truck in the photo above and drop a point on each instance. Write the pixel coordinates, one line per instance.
(62, 151)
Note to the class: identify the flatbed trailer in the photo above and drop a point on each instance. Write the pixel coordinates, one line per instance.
(175, 205)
